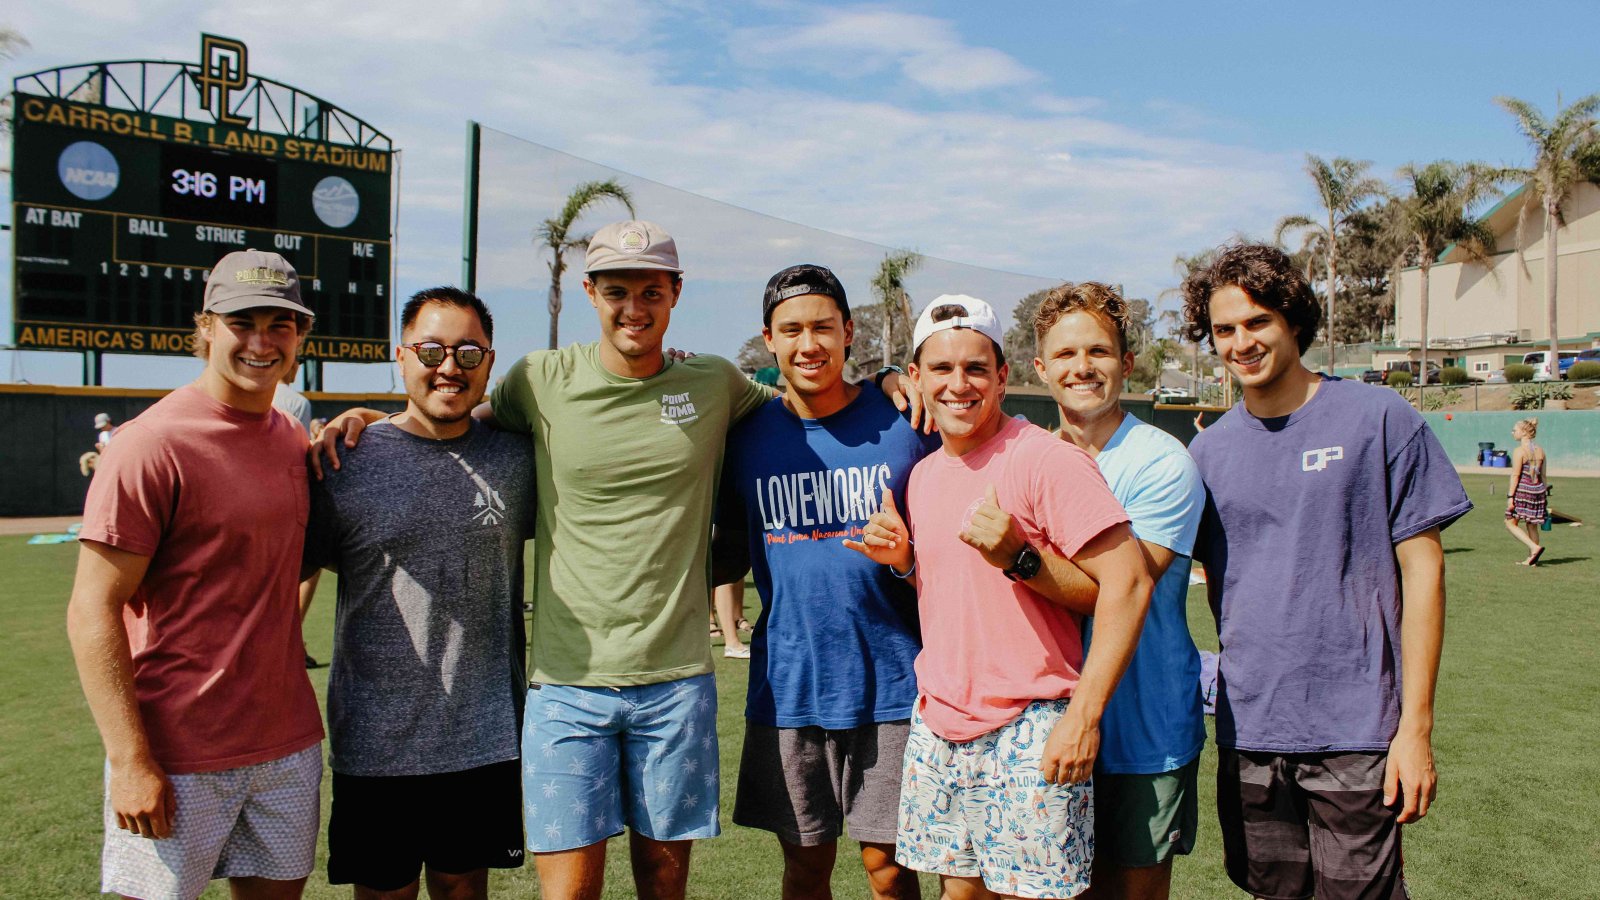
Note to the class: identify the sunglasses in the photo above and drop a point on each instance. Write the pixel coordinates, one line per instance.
(432, 354)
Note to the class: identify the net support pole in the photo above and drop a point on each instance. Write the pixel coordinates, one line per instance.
(469, 231)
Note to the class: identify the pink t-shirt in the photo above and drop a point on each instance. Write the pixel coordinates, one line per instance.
(990, 646)
(218, 499)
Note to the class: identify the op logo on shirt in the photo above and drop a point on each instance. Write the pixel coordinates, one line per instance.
(677, 409)
(1317, 460)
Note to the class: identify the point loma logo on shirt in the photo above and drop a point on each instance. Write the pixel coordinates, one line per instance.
(677, 409)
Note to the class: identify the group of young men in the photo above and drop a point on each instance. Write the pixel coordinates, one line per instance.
(973, 654)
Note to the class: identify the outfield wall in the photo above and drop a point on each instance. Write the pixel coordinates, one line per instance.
(50, 427)
(1570, 437)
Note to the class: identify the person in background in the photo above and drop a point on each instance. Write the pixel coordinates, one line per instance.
(1528, 493)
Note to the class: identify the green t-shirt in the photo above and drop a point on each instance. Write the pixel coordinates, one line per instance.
(626, 472)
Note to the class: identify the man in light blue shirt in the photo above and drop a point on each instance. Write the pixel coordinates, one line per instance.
(1152, 732)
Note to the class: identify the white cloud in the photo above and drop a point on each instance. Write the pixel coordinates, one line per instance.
(853, 42)
(1053, 185)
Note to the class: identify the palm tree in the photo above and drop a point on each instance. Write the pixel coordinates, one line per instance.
(1433, 213)
(1566, 152)
(556, 234)
(1343, 185)
(890, 289)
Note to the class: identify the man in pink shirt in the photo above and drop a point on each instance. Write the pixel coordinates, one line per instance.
(184, 621)
(996, 796)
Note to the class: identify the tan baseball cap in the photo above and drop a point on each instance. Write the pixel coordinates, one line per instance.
(245, 279)
(632, 245)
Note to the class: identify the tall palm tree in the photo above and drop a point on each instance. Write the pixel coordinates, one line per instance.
(890, 289)
(556, 234)
(1434, 211)
(1566, 152)
(1343, 185)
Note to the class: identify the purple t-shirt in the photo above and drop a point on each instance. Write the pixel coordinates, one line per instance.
(1302, 515)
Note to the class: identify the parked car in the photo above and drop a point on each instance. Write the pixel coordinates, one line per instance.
(1539, 359)
(1411, 366)
(1372, 376)
(1166, 394)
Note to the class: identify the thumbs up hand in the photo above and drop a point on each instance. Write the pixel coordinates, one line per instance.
(885, 539)
(993, 532)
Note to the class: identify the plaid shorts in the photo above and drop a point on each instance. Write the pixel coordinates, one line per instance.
(254, 821)
(981, 809)
(1298, 824)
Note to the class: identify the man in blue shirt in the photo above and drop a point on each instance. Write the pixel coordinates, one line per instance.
(1325, 499)
(831, 677)
(1152, 731)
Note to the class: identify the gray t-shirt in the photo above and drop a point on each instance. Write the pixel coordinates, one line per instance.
(1302, 515)
(427, 674)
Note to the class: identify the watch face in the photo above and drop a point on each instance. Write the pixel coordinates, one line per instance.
(1025, 566)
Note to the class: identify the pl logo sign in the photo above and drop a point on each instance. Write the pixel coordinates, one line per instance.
(223, 68)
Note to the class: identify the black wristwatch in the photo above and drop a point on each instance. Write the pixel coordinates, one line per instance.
(1025, 566)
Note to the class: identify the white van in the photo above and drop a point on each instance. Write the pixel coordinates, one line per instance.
(1539, 359)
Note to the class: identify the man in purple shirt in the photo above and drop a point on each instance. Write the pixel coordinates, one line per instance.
(1325, 572)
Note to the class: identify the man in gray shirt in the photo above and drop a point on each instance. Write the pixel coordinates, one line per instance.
(425, 522)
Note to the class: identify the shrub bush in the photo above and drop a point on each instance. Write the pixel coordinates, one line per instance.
(1584, 371)
(1397, 379)
(1527, 396)
(1452, 375)
(1518, 373)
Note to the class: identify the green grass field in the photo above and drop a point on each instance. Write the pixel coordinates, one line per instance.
(1518, 724)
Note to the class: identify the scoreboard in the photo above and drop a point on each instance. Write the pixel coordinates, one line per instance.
(118, 216)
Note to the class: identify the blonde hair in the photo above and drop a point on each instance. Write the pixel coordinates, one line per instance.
(1530, 425)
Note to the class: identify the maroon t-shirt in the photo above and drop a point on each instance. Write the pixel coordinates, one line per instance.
(218, 499)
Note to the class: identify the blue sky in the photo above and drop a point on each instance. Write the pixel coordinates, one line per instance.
(1065, 140)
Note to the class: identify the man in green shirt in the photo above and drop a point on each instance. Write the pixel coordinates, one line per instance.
(621, 721)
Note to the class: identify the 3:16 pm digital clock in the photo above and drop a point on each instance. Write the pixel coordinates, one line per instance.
(213, 186)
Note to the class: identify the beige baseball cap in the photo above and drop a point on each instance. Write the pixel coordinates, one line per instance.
(632, 245)
(978, 316)
(245, 279)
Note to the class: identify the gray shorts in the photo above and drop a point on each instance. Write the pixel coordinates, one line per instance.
(806, 784)
(254, 821)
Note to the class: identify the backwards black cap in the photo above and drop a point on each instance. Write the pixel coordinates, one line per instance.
(797, 281)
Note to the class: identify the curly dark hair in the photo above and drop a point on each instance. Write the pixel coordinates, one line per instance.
(1267, 275)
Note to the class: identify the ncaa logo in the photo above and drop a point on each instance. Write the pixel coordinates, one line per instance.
(1317, 460)
(88, 170)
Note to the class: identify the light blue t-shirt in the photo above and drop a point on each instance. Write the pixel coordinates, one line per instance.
(1153, 722)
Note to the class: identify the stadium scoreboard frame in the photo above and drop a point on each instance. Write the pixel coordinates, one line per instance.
(130, 179)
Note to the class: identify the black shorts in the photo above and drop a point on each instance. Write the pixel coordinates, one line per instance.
(383, 829)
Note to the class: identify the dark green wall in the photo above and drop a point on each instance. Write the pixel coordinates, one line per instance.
(51, 427)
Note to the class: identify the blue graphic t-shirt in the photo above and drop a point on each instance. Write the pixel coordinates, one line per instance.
(1302, 515)
(1154, 720)
(838, 636)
